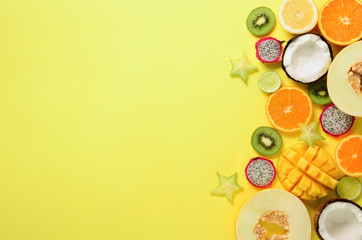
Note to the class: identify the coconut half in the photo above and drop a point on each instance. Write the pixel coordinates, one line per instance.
(338, 219)
(306, 58)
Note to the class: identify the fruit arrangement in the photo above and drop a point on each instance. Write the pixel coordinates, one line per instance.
(305, 170)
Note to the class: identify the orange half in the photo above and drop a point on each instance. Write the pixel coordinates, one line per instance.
(287, 108)
(340, 21)
(349, 155)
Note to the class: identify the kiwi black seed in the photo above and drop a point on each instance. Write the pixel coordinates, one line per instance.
(266, 141)
(318, 93)
(260, 21)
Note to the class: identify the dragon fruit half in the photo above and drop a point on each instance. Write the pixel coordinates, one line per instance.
(269, 50)
(260, 172)
(334, 121)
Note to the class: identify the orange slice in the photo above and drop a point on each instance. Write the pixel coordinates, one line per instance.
(349, 155)
(298, 16)
(287, 108)
(340, 21)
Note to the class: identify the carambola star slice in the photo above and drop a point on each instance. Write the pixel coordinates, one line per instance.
(227, 186)
(241, 67)
(309, 133)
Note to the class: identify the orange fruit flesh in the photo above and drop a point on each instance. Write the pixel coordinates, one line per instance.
(349, 155)
(288, 107)
(340, 21)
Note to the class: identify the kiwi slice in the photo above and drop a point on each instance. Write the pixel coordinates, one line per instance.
(318, 93)
(266, 141)
(260, 21)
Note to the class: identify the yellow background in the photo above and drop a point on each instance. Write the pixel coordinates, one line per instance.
(116, 116)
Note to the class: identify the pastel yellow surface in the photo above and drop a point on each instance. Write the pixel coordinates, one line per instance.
(116, 116)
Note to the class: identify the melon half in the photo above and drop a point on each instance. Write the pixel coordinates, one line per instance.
(268, 205)
(340, 90)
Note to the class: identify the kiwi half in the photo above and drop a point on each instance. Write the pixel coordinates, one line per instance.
(318, 93)
(266, 141)
(260, 21)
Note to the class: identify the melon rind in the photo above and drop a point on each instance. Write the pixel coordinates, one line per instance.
(272, 200)
(339, 89)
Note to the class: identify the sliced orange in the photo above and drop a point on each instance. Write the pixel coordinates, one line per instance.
(287, 108)
(349, 155)
(298, 16)
(340, 21)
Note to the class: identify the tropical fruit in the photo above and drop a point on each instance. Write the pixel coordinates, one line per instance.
(260, 172)
(287, 108)
(349, 155)
(273, 212)
(308, 172)
(298, 16)
(260, 21)
(349, 188)
(344, 79)
(306, 58)
(340, 21)
(266, 141)
(335, 122)
(269, 50)
(270, 82)
(318, 92)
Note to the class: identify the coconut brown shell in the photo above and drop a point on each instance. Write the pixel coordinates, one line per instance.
(322, 207)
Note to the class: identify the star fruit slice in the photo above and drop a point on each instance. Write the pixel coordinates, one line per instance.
(227, 186)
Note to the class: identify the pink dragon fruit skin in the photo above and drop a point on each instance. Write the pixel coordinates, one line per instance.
(338, 123)
(269, 50)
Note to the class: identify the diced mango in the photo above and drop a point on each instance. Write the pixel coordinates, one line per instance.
(297, 191)
(288, 184)
(312, 171)
(327, 166)
(314, 189)
(310, 153)
(308, 172)
(335, 173)
(304, 182)
(320, 158)
(332, 184)
(295, 175)
(302, 164)
(292, 156)
(300, 148)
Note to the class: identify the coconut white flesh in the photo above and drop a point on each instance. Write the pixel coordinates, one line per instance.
(272, 200)
(340, 221)
(339, 89)
(307, 58)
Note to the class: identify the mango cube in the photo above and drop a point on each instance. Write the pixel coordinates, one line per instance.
(302, 164)
(310, 153)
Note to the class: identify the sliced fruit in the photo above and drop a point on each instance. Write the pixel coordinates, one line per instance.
(227, 187)
(309, 133)
(338, 219)
(349, 155)
(335, 122)
(273, 212)
(270, 82)
(260, 172)
(305, 171)
(287, 108)
(269, 50)
(306, 58)
(298, 16)
(266, 141)
(340, 21)
(242, 67)
(349, 188)
(260, 21)
(318, 92)
(341, 81)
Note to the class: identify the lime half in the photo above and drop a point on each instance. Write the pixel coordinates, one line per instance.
(270, 82)
(349, 188)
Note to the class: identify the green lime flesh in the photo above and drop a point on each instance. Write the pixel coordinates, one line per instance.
(260, 21)
(349, 188)
(266, 141)
(270, 82)
(318, 93)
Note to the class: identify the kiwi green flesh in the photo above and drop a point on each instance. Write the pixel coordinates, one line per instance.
(318, 93)
(266, 141)
(260, 21)
(339, 215)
